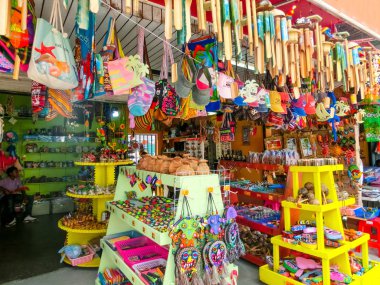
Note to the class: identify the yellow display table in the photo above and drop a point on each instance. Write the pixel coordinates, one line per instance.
(104, 176)
(324, 215)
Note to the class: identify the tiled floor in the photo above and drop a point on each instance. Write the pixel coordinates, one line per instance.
(248, 275)
(28, 256)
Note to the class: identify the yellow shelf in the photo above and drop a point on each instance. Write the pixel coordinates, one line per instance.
(79, 231)
(161, 238)
(105, 196)
(310, 208)
(327, 253)
(358, 242)
(316, 169)
(119, 262)
(93, 263)
(318, 208)
(124, 162)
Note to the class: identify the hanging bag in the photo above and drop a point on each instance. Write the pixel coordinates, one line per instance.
(169, 102)
(126, 72)
(141, 98)
(52, 62)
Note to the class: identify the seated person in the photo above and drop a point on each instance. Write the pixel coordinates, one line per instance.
(14, 192)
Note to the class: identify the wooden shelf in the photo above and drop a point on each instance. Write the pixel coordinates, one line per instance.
(254, 259)
(101, 196)
(80, 231)
(257, 226)
(275, 197)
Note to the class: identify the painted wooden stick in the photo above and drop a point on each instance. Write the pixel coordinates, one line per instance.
(285, 38)
(249, 26)
(308, 48)
(128, 7)
(267, 40)
(298, 69)
(301, 40)
(219, 20)
(168, 19)
(211, 6)
(5, 17)
(136, 7)
(241, 35)
(24, 15)
(201, 16)
(16, 69)
(178, 15)
(254, 23)
(279, 61)
(350, 80)
(188, 19)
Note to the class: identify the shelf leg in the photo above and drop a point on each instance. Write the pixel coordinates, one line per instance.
(276, 257)
(296, 184)
(287, 218)
(326, 271)
(317, 186)
(99, 206)
(365, 255)
(320, 231)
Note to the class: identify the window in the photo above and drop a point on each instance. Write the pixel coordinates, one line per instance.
(148, 141)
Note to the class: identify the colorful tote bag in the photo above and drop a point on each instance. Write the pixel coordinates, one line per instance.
(52, 62)
(141, 98)
(127, 73)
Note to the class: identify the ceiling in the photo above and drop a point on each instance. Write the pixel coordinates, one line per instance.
(154, 15)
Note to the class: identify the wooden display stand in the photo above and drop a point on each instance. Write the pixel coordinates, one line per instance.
(197, 186)
(325, 215)
(104, 176)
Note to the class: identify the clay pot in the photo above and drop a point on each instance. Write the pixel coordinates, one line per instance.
(174, 164)
(193, 163)
(152, 164)
(185, 170)
(159, 161)
(203, 167)
(144, 164)
(165, 165)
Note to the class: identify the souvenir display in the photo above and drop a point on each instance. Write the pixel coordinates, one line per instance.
(243, 119)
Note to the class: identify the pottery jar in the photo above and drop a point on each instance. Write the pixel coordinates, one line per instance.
(193, 163)
(174, 164)
(165, 165)
(185, 170)
(203, 167)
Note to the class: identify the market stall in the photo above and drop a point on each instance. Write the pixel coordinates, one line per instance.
(249, 125)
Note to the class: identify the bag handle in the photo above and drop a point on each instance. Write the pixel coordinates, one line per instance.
(142, 50)
(109, 33)
(56, 18)
(168, 55)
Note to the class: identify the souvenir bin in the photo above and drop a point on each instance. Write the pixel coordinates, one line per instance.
(328, 260)
(95, 221)
(190, 192)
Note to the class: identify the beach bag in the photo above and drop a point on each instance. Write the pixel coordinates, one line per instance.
(169, 101)
(52, 62)
(126, 73)
(38, 97)
(141, 98)
(19, 42)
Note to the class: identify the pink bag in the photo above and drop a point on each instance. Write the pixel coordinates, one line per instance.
(224, 86)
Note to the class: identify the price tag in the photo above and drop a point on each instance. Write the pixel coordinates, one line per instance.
(270, 197)
(143, 229)
(247, 193)
(227, 188)
(258, 195)
(133, 223)
(153, 236)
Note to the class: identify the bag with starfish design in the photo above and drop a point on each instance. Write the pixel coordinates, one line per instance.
(52, 62)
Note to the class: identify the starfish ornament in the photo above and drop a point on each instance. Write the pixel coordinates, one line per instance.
(44, 49)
